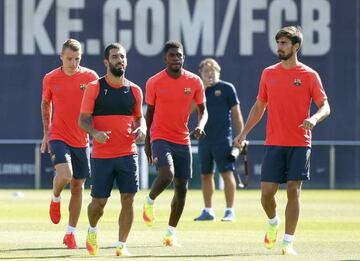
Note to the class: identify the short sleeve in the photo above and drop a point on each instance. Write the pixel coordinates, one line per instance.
(150, 97)
(139, 100)
(90, 95)
(262, 93)
(46, 90)
(317, 90)
(199, 96)
(232, 98)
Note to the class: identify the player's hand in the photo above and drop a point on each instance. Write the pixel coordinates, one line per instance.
(45, 145)
(197, 133)
(101, 136)
(140, 134)
(240, 141)
(148, 149)
(309, 123)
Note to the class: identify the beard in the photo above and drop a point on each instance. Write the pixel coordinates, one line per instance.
(118, 72)
(284, 57)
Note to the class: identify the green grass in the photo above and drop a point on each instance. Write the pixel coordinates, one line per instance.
(329, 228)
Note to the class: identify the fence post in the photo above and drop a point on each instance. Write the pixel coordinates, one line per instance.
(37, 176)
(332, 158)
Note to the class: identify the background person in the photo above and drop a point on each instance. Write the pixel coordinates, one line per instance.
(224, 111)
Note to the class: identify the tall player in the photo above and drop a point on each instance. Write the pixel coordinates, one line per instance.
(169, 95)
(286, 90)
(62, 93)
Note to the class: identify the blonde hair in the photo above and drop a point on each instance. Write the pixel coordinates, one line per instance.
(209, 62)
(72, 44)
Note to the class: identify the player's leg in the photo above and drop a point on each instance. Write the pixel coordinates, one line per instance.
(102, 178)
(229, 190)
(207, 182)
(61, 159)
(80, 167)
(298, 161)
(272, 174)
(226, 167)
(183, 172)
(127, 180)
(162, 157)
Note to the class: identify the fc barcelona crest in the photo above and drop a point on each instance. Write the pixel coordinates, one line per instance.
(297, 82)
(82, 86)
(187, 90)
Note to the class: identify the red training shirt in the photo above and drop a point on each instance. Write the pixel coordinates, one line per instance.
(66, 92)
(121, 141)
(172, 99)
(288, 94)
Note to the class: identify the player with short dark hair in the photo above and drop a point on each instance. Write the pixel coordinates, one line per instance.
(62, 92)
(111, 112)
(224, 111)
(286, 90)
(169, 96)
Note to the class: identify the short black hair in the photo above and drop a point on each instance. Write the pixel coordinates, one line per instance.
(172, 44)
(112, 46)
(293, 33)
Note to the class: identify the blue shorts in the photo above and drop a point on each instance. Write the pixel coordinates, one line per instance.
(282, 164)
(124, 170)
(208, 153)
(78, 158)
(176, 156)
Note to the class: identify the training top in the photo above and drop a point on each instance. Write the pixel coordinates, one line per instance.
(114, 108)
(220, 98)
(172, 99)
(66, 92)
(288, 94)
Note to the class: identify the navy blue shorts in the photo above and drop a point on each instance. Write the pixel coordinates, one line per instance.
(208, 153)
(176, 156)
(60, 152)
(282, 164)
(124, 170)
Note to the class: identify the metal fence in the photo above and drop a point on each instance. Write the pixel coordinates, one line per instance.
(334, 165)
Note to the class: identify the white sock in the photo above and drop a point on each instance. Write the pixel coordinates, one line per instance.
(93, 229)
(56, 199)
(289, 238)
(274, 221)
(71, 230)
(210, 211)
(231, 209)
(149, 200)
(119, 243)
(172, 229)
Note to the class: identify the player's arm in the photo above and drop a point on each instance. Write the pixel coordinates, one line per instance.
(255, 115)
(149, 119)
(85, 123)
(202, 119)
(46, 111)
(237, 118)
(139, 129)
(322, 113)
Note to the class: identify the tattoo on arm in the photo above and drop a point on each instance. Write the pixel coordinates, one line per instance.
(46, 110)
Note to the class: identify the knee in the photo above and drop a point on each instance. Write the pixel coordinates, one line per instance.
(97, 205)
(267, 195)
(127, 200)
(293, 192)
(181, 190)
(77, 188)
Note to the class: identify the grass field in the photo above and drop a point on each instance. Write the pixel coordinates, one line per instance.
(329, 228)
